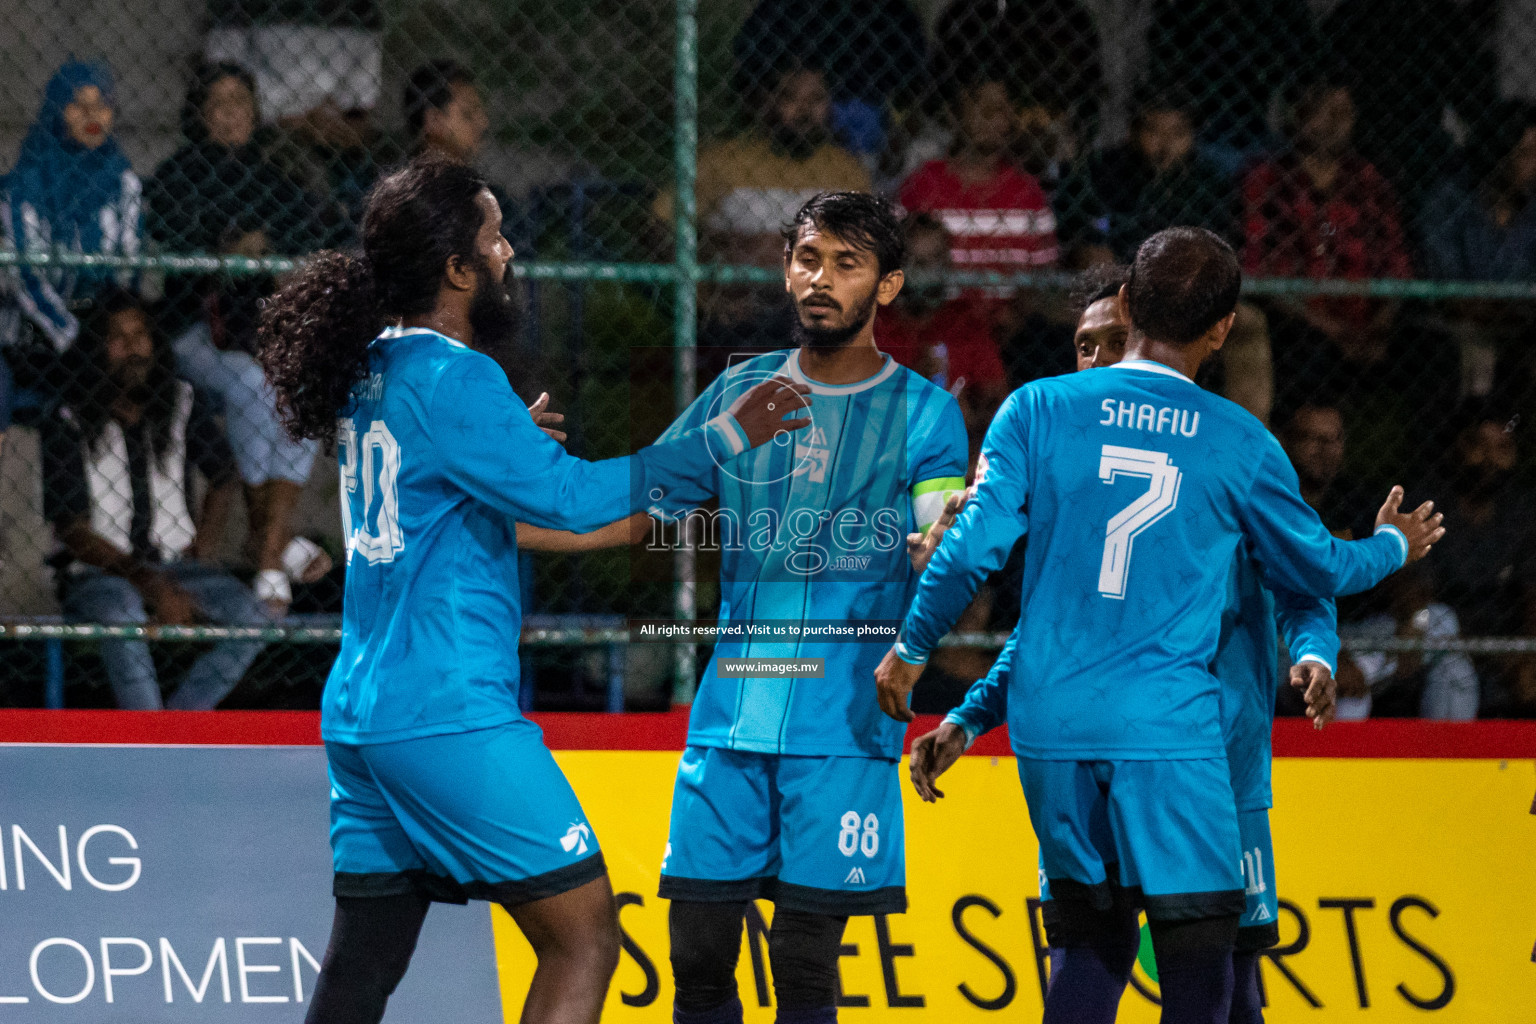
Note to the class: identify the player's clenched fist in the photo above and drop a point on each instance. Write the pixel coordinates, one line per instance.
(1422, 529)
(761, 411)
(894, 680)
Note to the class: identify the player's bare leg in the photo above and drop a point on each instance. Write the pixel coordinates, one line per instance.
(575, 936)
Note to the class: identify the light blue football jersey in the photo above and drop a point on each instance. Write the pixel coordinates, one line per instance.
(1246, 665)
(814, 532)
(439, 461)
(1137, 488)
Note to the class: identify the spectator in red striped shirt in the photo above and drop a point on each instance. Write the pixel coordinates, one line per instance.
(997, 215)
(1321, 210)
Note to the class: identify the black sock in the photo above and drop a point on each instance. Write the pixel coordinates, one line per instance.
(1247, 1008)
(372, 939)
(1194, 968)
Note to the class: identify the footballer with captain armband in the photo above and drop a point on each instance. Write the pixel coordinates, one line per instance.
(789, 788)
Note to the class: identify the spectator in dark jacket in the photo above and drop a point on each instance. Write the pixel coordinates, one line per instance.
(219, 193)
(1480, 225)
(1159, 179)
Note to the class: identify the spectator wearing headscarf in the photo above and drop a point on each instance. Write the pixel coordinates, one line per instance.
(72, 190)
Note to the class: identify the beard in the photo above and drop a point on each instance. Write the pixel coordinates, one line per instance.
(830, 339)
(495, 315)
(1480, 484)
(131, 377)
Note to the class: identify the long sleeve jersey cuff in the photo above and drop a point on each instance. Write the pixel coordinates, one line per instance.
(1320, 660)
(954, 718)
(726, 438)
(1401, 539)
(909, 656)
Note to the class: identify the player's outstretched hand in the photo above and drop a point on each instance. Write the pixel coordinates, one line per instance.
(1317, 688)
(761, 411)
(545, 420)
(932, 755)
(921, 546)
(894, 680)
(1422, 529)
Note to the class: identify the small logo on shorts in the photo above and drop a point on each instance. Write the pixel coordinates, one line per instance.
(1262, 913)
(575, 838)
(855, 877)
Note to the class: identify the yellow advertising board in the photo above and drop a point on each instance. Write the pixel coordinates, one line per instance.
(1407, 887)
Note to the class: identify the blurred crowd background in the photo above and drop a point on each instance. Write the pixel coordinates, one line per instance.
(1373, 162)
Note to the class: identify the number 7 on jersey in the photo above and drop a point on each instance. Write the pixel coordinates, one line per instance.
(1162, 497)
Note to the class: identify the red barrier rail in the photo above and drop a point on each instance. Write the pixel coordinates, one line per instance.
(668, 731)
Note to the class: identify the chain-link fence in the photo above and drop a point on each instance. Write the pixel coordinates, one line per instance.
(1372, 162)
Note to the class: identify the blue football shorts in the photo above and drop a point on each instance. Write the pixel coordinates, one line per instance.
(1166, 831)
(484, 815)
(1260, 925)
(822, 835)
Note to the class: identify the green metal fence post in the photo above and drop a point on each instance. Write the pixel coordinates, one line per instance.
(684, 333)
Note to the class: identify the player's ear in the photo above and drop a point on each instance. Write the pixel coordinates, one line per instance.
(459, 273)
(889, 287)
(1217, 335)
(789, 252)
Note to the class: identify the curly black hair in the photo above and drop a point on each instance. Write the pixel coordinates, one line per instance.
(315, 332)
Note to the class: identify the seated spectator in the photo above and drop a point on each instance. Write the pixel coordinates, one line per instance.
(947, 339)
(219, 193)
(1412, 684)
(71, 189)
(748, 187)
(1480, 225)
(1313, 437)
(318, 78)
(445, 116)
(1486, 565)
(1231, 54)
(1159, 179)
(997, 216)
(217, 356)
(118, 456)
(1319, 210)
(444, 112)
(873, 51)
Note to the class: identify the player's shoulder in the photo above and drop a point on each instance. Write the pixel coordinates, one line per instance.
(744, 368)
(925, 400)
(421, 360)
